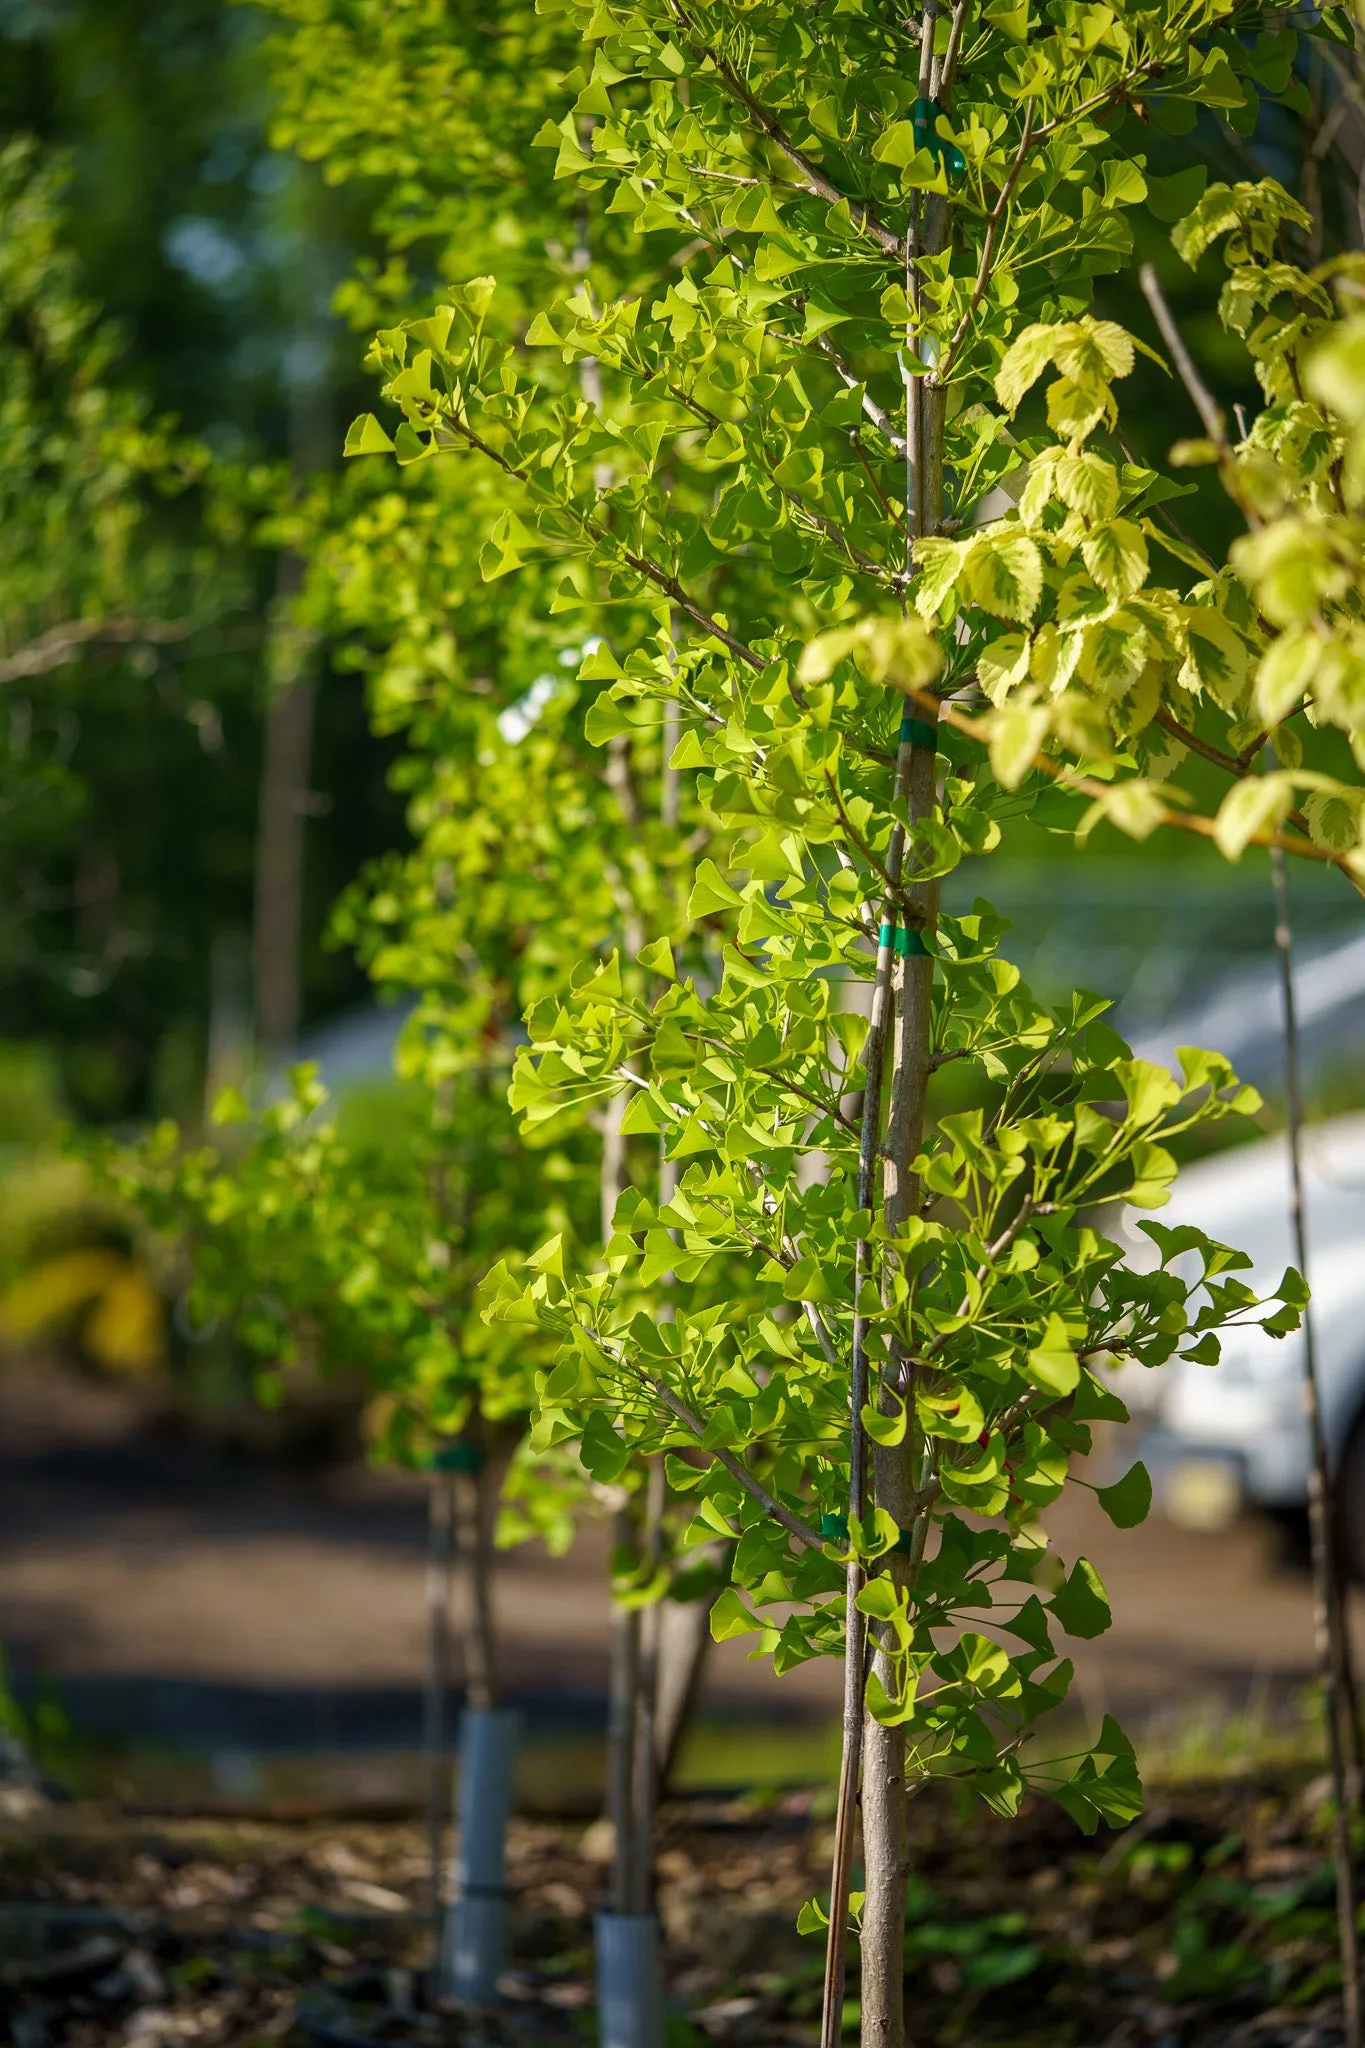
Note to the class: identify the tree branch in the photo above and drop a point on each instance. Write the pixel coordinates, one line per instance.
(812, 176)
(894, 579)
(880, 418)
(997, 215)
(793, 1524)
(1111, 93)
(62, 644)
(1086, 785)
(1210, 412)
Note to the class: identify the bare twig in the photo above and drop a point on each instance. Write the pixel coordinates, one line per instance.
(733, 178)
(1232, 764)
(641, 564)
(1205, 404)
(1108, 98)
(793, 1524)
(895, 579)
(61, 644)
(858, 450)
(678, 1408)
(1087, 785)
(954, 50)
(997, 215)
(812, 177)
(880, 418)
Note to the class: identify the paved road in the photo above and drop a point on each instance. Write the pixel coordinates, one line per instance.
(196, 1598)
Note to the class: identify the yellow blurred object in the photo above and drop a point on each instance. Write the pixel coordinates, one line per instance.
(98, 1292)
(1203, 1494)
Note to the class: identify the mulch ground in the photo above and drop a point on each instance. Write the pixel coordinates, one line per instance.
(1208, 1924)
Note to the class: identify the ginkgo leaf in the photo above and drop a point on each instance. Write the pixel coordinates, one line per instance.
(1129, 1500)
(711, 892)
(1081, 1604)
(1052, 1364)
(365, 436)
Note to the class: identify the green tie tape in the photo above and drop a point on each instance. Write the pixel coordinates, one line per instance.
(834, 1529)
(458, 1457)
(927, 137)
(902, 941)
(918, 732)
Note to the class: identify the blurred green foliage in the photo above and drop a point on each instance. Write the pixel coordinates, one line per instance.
(235, 172)
(163, 275)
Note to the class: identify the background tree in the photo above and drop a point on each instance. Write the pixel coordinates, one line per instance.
(188, 232)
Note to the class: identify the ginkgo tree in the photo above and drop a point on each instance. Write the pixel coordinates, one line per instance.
(359, 1256)
(791, 452)
(534, 848)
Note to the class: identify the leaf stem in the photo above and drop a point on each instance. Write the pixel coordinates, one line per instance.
(983, 270)
(812, 176)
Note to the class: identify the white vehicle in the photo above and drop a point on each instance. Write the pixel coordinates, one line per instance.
(1216, 1438)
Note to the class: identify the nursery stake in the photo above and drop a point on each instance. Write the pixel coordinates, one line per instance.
(1329, 1606)
(440, 1563)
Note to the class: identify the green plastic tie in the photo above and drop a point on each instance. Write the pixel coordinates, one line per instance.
(458, 1457)
(904, 942)
(918, 732)
(834, 1529)
(927, 137)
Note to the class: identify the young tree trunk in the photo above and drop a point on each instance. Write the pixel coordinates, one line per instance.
(896, 1469)
(684, 1644)
(895, 1474)
(440, 1560)
(629, 1991)
(481, 1490)
(227, 1061)
(280, 851)
(623, 1713)
(475, 1946)
(645, 1777)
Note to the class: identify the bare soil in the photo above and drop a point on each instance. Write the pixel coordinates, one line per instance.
(1206, 1925)
(165, 1586)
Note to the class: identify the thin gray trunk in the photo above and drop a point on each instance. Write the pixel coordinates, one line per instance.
(684, 1646)
(440, 1562)
(622, 1717)
(896, 1469)
(481, 1490)
(279, 865)
(638, 1867)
